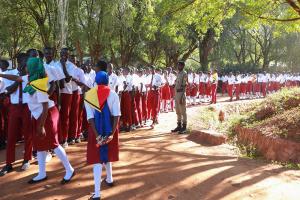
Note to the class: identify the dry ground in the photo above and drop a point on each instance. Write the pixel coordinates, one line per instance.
(155, 164)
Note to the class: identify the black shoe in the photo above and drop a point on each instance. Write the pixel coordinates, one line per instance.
(109, 184)
(65, 181)
(183, 129)
(6, 169)
(94, 198)
(77, 140)
(38, 181)
(178, 128)
(71, 141)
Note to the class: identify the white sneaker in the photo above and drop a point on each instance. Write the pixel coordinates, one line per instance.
(25, 166)
(48, 157)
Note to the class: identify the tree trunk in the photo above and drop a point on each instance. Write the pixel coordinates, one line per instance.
(206, 47)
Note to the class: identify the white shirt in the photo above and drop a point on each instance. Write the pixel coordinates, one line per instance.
(53, 73)
(71, 69)
(14, 97)
(35, 103)
(171, 79)
(113, 81)
(196, 79)
(78, 74)
(90, 79)
(157, 80)
(231, 80)
(113, 105)
(202, 78)
(190, 78)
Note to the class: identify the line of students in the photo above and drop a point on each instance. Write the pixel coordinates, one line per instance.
(202, 87)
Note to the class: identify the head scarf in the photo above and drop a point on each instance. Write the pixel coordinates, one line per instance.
(36, 71)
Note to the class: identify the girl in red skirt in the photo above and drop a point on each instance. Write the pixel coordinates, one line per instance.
(44, 120)
(165, 93)
(103, 141)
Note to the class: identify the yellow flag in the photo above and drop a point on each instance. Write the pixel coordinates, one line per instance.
(40, 84)
(91, 97)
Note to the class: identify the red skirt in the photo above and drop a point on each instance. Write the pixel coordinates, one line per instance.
(165, 92)
(172, 91)
(93, 152)
(194, 90)
(188, 90)
(208, 89)
(202, 89)
(243, 88)
(50, 141)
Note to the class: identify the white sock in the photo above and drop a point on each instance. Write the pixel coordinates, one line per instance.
(61, 154)
(97, 170)
(108, 167)
(41, 157)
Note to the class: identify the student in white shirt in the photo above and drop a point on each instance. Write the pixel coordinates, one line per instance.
(154, 95)
(113, 78)
(126, 98)
(96, 156)
(19, 116)
(44, 120)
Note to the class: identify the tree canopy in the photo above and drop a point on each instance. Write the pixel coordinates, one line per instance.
(229, 34)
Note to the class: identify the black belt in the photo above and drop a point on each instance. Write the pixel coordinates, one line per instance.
(179, 90)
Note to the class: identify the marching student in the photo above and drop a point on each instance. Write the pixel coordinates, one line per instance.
(137, 98)
(165, 92)
(214, 86)
(189, 87)
(208, 84)
(231, 82)
(202, 90)
(237, 85)
(66, 94)
(113, 78)
(194, 88)
(77, 80)
(44, 120)
(126, 98)
(264, 83)
(244, 81)
(171, 80)
(103, 147)
(4, 105)
(250, 82)
(154, 95)
(224, 83)
(143, 78)
(19, 117)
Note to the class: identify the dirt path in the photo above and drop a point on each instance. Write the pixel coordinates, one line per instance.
(157, 165)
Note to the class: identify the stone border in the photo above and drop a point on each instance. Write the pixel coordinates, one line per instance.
(276, 149)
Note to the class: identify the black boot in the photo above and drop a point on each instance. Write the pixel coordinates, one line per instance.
(183, 129)
(178, 128)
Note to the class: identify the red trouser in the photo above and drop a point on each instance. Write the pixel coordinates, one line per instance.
(64, 114)
(237, 91)
(74, 115)
(257, 87)
(19, 121)
(249, 87)
(153, 103)
(4, 119)
(144, 106)
(138, 99)
(208, 89)
(126, 109)
(224, 87)
(214, 93)
(80, 116)
(134, 109)
(230, 90)
(264, 89)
